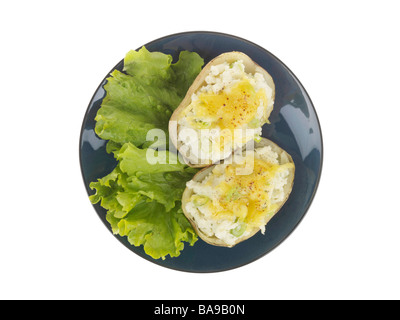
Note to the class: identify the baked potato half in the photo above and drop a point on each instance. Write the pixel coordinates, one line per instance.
(227, 206)
(232, 92)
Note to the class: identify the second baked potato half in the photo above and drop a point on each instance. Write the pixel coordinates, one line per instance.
(230, 202)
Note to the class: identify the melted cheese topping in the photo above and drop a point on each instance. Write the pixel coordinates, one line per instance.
(228, 109)
(246, 198)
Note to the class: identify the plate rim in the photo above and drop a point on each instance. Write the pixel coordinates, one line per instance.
(317, 182)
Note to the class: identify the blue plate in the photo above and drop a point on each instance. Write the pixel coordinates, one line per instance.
(294, 127)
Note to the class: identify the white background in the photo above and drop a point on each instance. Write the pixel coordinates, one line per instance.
(55, 53)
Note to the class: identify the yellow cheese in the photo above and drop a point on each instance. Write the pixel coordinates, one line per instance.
(245, 197)
(228, 109)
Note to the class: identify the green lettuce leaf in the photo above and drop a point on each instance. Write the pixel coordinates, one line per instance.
(142, 195)
(185, 71)
(149, 66)
(163, 182)
(145, 96)
(133, 159)
(143, 202)
(161, 233)
(127, 112)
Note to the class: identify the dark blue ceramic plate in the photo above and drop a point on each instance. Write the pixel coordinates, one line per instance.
(294, 126)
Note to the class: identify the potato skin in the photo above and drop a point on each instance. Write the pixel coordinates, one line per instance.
(284, 157)
(229, 57)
